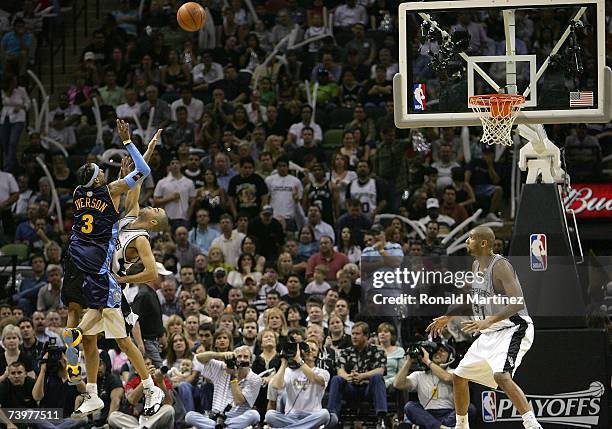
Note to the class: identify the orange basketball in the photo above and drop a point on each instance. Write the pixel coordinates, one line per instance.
(191, 16)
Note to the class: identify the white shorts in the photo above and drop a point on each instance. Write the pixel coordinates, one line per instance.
(498, 351)
(110, 321)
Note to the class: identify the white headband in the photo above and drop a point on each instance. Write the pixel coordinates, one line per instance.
(93, 177)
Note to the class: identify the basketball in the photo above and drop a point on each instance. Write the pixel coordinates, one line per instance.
(191, 16)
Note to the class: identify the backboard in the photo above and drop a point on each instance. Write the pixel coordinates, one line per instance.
(550, 51)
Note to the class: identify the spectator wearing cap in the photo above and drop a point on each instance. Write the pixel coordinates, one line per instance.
(450, 207)
(62, 134)
(162, 115)
(49, 295)
(229, 241)
(194, 107)
(334, 261)
(433, 213)
(286, 191)
(247, 191)
(294, 137)
(175, 193)
(269, 233)
(348, 14)
(220, 287)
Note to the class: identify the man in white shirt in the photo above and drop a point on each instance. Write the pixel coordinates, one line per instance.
(305, 385)
(229, 241)
(206, 72)
(194, 107)
(294, 137)
(176, 194)
(130, 109)
(285, 193)
(350, 13)
(236, 387)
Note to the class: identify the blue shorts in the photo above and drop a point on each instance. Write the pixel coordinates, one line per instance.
(484, 190)
(89, 290)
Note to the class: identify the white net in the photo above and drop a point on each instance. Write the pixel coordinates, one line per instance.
(497, 113)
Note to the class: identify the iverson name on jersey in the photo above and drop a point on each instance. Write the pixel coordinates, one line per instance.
(91, 203)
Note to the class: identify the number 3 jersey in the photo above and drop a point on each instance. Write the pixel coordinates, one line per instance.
(125, 237)
(94, 232)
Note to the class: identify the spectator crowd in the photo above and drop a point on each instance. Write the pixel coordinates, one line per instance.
(278, 155)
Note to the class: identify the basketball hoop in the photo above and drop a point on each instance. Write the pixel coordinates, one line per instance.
(497, 113)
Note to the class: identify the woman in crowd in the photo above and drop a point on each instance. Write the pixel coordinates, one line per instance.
(250, 314)
(347, 246)
(266, 360)
(274, 320)
(249, 245)
(295, 317)
(211, 197)
(341, 176)
(337, 338)
(284, 267)
(216, 260)
(11, 341)
(307, 246)
(245, 266)
(175, 325)
(223, 341)
(173, 76)
(210, 131)
(387, 337)
(240, 125)
(227, 321)
(178, 349)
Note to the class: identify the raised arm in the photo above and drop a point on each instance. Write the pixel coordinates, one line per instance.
(132, 208)
(140, 171)
(148, 260)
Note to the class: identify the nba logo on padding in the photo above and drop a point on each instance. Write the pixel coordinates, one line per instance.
(489, 406)
(538, 251)
(419, 96)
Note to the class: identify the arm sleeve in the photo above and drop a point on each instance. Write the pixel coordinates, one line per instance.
(141, 169)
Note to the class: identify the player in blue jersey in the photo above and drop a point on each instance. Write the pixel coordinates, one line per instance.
(88, 281)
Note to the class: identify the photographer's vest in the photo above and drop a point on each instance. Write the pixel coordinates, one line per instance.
(482, 287)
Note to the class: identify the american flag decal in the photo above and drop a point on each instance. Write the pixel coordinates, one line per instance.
(581, 99)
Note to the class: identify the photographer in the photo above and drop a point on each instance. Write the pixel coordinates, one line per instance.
(360, 375)
(52, 389)
(236, 389)
(434, 387)
(305, 386)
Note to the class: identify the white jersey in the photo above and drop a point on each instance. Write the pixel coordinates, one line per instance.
(366, 194)
(124, 237)
(485, 292)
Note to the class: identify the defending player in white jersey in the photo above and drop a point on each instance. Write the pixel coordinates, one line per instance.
(506, 331)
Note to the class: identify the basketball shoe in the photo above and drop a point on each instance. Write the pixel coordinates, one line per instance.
(153, 400)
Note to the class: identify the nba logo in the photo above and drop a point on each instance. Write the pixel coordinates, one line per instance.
(489, 407)
(419, 96)
(538, 251)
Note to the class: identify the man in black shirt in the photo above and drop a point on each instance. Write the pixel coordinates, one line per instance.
(295, 295)
(16, 391)
(309, 148)
(269, 232)
(220, 288)
(30, 347)
(146, 305)
(247, 191)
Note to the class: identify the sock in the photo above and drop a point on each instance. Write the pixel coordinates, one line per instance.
(529, 420)
(462, 422)
(147, 383)
(92, 388)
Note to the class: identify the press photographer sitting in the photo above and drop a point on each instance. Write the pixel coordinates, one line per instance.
(434, 385)
(305, 386)
(52, 389)
(236, 389)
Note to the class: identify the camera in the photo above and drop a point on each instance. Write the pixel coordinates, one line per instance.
(219, 418)
(54, 354)
(415, 352)
(232, 363)
(290, 350)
